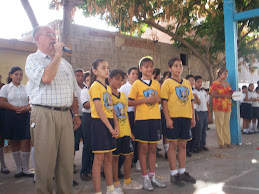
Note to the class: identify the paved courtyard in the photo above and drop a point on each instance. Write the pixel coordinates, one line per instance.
(228, 171)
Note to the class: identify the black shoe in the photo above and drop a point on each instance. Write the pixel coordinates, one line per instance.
(187, 178)
(195, 151)
(28, 175)
(166, 156)
(205, 148)
(85, 177)
(75, 183)
(18, 175)
(120, 175)
(188, 154)
(5, 171)
(158, 149)
(177, 180)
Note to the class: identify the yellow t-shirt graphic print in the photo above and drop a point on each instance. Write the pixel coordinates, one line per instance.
(120, 108)
(103, 93)
(140, 90)
(179, 96)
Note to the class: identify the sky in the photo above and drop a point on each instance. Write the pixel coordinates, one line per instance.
(14, 21)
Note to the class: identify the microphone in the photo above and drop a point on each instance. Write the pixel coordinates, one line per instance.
(66, 49)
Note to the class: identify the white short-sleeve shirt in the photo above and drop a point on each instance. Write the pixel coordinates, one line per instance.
(204, 99)
(85, 97)
(15, 95)
(126, 89)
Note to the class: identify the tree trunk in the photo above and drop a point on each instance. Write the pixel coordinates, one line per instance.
(66, 25)
(27, 7)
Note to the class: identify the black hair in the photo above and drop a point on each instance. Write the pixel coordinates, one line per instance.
(79, 70)
(95, 64)
(12, 71)
(257, 88)
(244, 87)
(131, 69)
(124, 75)
(197, 77)
(249, 86)
(141, 63)
(86, 74)
(189, 76)
(171, 62)
(116, 72)
(166, 73)
(156, 71)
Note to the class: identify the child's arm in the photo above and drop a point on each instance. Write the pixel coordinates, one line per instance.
(197, 100)
(103, 116)
(116, 131)
(193, 123)
(169, 121)
(150, 99)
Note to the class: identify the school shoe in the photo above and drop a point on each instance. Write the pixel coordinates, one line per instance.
(18, 175)
(188, 154)
(114, 192)
(119, 190)
(147, 185)
(156, 182)
(75, 183)
(133, 185)
(177, 180)
(85, 177)
(204, 148)
(187, 178)
(166, 155)
(4, 170)
(138, 168)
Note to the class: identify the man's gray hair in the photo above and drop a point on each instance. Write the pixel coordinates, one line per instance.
(36, 31)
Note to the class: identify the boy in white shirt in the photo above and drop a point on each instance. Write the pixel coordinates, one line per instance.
(132, 77)
(202, 111)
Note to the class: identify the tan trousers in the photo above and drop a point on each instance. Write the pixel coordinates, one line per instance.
(222, 127)
(53, 139)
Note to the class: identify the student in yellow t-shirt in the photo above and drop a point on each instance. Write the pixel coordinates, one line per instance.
(178, 108)
(145, 96)
(124, 141)
(104, 126)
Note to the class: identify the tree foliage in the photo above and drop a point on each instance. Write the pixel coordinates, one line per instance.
(195, 24)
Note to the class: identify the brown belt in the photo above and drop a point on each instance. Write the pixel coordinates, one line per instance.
(53, 107)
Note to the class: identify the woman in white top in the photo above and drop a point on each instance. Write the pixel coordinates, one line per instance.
(14, 99)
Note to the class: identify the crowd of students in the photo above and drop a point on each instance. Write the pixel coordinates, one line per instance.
(249, 109)
(122, 122)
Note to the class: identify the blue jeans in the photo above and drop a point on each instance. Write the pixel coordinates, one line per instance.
(87, 155)
(203, 116)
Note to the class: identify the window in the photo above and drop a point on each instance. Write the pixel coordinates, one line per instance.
(184, 59)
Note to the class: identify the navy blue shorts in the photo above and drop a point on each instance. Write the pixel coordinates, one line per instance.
(148, 131)
(181, 129)
(124, 146)
(102, 140)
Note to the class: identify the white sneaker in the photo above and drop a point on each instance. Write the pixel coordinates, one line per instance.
(138, 168)
(117, 190)
(256, 130)
(133, 185)
(156, 165)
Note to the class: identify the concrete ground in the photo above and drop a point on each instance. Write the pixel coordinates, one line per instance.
(218, 171)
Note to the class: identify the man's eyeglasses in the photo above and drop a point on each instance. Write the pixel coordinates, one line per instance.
(49, 35)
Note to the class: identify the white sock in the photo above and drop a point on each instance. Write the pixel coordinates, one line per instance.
(17, 159)
(145, 176)
(2, 158)
(32, 157)
(254, 125)
(166, 146)
(151, 175)
(174, 172)
(25, 162)
(181, 170)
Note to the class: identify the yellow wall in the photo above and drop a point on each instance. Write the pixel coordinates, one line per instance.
(10, 58)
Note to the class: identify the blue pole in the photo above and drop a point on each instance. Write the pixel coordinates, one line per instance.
(232, 66)
(244, 15)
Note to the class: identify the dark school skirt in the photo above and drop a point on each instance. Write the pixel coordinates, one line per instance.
(1, 121)
(255, 112)
(246, 111)
(16, 126)
(102, 140)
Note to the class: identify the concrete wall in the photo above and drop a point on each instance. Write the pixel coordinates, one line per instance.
(123, 51)
(14, 53)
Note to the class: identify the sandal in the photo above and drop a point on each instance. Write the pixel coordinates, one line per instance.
(222, 147)
(229, 146)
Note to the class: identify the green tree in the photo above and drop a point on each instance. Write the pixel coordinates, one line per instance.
(195, 24)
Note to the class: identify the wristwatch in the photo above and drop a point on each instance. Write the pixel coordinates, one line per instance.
(76, 115)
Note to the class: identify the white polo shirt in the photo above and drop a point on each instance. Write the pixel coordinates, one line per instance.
(15, 95)
(126, 89)
(85, 97)
(204, 99)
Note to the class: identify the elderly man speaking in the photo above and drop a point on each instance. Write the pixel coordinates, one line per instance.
(51, 90)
